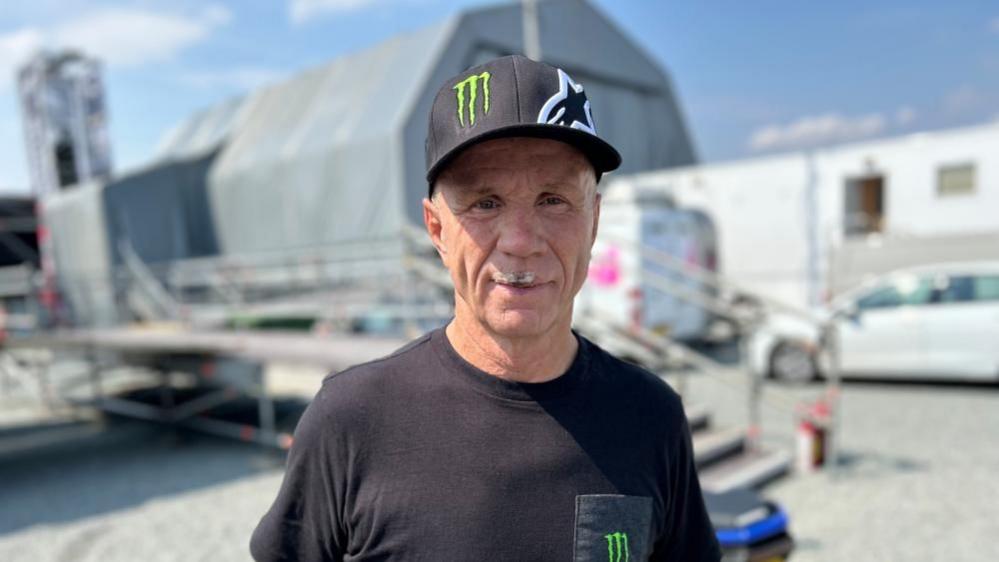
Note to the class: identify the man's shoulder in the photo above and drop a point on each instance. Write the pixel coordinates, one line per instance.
(372, 373)
(398, 357)
(621, 373)
(633, 384)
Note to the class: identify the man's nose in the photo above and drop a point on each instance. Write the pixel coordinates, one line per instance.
(520, 233)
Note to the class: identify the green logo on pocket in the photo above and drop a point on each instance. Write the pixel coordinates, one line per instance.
(617, 547)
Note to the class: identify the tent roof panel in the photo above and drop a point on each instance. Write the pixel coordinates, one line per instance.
(354, 98)
(202, 132)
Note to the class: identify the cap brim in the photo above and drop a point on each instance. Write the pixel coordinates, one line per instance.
(599, 152)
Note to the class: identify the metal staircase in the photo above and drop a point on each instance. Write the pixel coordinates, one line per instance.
(405, 281)
(726, 457)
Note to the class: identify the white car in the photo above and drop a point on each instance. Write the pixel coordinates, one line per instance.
(938, 322)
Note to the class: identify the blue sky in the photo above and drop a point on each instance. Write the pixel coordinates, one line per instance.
(753, 77)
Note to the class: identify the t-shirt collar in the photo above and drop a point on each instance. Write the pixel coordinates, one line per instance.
(560, 387)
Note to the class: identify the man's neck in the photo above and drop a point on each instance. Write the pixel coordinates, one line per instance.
(534, 359)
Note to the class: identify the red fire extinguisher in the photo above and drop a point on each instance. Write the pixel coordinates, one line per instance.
(812, 435)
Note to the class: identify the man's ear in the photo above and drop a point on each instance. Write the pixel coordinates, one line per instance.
(432, 220)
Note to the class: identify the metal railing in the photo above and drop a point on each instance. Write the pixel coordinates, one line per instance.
(747, 321)
(395, 277)
(401, 279)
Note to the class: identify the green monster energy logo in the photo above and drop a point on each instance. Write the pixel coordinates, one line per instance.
(617, 547)
(473, 85)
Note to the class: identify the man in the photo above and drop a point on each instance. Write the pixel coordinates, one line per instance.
(504, 435)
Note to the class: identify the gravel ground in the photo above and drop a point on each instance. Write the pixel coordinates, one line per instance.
(917, 481)
(918, 477)
(138, 492)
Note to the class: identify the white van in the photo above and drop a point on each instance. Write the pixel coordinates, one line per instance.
(936, 321)
(619, 290)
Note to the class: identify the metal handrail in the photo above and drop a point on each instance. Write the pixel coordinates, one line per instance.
(745, 322)
(149, 284)
(713, 279)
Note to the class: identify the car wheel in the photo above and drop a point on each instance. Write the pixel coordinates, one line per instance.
(791, 362)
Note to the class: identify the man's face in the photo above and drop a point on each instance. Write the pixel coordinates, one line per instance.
(514, 221)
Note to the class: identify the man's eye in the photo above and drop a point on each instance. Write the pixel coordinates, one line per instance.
(486, 204)
(553, 200)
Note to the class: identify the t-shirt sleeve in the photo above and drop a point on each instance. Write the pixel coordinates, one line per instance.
(303, 524)
(689, 535)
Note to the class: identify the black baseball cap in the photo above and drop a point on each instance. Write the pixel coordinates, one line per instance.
(512, 96)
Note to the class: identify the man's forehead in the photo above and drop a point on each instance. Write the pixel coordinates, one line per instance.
(484, 181)
(483, 186)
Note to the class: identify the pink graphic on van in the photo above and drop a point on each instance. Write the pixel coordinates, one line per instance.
(605, 268)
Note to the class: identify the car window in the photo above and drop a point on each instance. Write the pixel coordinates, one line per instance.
(902, 290)
(885, 297)
(958, 289)
(987, 288)
(915, 291)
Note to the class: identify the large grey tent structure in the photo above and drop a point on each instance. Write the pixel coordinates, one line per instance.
(159, 211)
(335, 154)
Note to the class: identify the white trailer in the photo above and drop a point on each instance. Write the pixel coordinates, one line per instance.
(783, 221)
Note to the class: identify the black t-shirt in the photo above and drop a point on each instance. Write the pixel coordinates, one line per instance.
(422, 456)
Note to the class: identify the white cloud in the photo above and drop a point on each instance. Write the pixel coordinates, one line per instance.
(304, 10)
(216, 15)
(963, 100)
(129, 37)
(904, 115)
(815, 130)
(118, 36)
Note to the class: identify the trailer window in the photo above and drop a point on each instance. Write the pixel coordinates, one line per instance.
(956, 180)
(865, 206)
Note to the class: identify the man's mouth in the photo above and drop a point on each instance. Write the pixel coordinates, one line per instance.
(518, 279)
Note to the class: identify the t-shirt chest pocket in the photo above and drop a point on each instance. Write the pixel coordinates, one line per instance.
(612, 528)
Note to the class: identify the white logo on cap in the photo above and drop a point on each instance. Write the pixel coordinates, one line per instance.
(568, 107)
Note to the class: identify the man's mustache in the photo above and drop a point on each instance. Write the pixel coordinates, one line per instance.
(514, 278)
